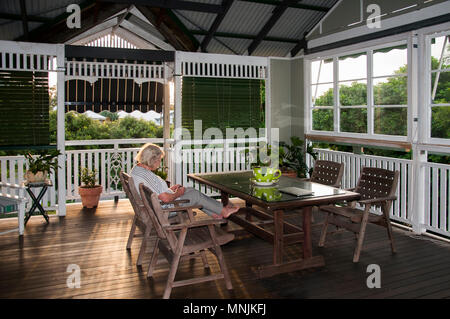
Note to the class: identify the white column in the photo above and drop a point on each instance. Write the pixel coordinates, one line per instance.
(61, 139)
(166, 115)
(417, 120)
(177, 115)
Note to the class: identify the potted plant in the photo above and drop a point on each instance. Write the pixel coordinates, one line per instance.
(294, 156)
(40, 166)
(89, 191)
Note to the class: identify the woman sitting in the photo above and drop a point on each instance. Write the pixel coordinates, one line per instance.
(148, 160)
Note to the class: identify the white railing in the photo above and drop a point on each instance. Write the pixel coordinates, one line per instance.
(107, 162)
(437, 198)
(437, 187)
(215, 156)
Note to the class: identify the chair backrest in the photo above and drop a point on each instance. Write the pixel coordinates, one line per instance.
(376, 183)
(327, 173)
(154, 210)
(132, 194)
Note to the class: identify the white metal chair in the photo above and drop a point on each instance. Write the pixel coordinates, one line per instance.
(16, 200)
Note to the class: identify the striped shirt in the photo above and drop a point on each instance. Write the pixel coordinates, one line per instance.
(151, 180)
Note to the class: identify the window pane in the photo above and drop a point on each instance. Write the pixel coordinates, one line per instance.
(322, 95)
(391, 121)
(354, 120)
(440, 93)
(437, 44)
(323, 120)
(353, 93)
(390, 91)
(390, 61)
(352, 67)
(322, 71)
(440, 122)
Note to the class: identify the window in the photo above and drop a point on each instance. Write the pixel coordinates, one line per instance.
(440, 86)
(352, 87)
(363, 92)
(390, 90)
(322, 94)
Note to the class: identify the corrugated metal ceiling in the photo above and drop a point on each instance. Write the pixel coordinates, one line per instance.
(244, 18)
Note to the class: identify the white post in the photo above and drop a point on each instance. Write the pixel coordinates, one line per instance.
(61, 139)
(418, 128)
(268, 105)
(166, 115)
(177, 115)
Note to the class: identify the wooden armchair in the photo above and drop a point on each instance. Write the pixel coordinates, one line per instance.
(327, 173)
(377, 187)
(184, 241)
(141, 219)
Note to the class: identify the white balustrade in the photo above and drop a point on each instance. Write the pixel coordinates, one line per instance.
(225, 157)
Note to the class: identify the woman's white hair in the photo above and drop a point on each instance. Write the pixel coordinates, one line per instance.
(149, 154)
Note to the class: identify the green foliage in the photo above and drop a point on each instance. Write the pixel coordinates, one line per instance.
(88, 177)
(81, 127)
(110, 115)
(294, 157)
(44, 161)
(161, 172)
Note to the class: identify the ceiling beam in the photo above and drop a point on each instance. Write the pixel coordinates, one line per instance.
(294, 5)
(23, 12)
(302, 44)
(276, 15)
(18, 17)
(244, 36)
(170, 27)
(56, 31)
(226, 5)
(173, 4)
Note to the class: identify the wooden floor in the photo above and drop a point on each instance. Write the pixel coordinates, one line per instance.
(95, 240)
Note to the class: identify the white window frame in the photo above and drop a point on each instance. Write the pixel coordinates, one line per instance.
(427, 85)
(402, 39)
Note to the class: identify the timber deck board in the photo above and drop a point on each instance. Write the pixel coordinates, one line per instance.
(35, 267)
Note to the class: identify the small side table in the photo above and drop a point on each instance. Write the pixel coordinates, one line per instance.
(36, 200)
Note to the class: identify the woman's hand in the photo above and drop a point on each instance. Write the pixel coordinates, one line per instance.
(167, 197)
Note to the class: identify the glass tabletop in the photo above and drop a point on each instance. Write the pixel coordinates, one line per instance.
(242, 182)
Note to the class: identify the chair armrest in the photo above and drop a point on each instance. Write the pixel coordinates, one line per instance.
(177, 201)
(181, 208)
(350, 189)
(377, 200)
(8, 185)
(199, 223)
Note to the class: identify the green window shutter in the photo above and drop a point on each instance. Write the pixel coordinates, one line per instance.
(24, 108)
(222, 103)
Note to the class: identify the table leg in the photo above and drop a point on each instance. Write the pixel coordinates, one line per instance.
(278, 245)
(307, 246)
(224, 198)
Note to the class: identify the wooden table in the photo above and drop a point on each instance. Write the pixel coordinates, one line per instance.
(271, 212)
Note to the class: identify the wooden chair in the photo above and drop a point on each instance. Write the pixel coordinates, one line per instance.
(377, 187)
(184, 241)
(327, 173)
(141, 219)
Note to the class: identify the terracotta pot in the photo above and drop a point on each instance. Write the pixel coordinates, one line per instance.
(90, 195)
(290, 173)
(39, 177)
